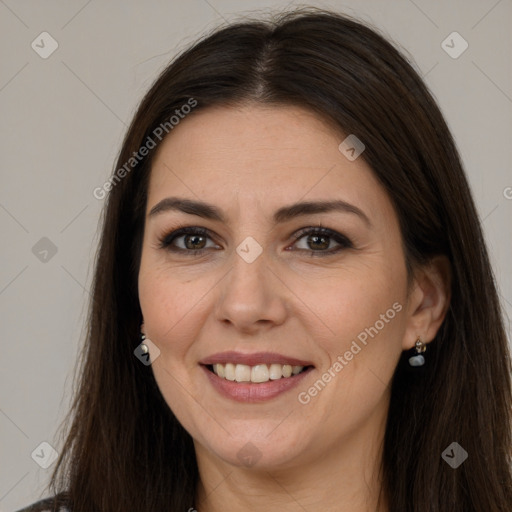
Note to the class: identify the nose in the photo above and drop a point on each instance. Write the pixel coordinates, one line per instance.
(252, 297)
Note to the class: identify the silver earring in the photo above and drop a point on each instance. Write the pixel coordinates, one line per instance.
(417, 359)
(143, 346)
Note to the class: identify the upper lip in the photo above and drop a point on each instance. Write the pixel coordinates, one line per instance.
(253, 359)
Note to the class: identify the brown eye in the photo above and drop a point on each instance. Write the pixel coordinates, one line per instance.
(194, 241)
(191, 240)
(318, 241)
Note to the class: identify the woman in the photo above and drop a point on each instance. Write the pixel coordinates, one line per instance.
(293, 305)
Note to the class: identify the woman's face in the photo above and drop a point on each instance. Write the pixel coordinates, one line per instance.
(264, 294)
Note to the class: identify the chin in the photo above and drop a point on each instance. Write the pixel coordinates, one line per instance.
(258, 451)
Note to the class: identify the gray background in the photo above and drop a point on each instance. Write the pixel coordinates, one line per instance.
(62, 123)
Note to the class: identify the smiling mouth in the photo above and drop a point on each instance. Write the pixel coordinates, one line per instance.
(257, 374)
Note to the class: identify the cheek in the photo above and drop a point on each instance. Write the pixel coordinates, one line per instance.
(362, 311)
(362, 355)
(164, 301)
(175, 304)
(170, 309)
(356, 299)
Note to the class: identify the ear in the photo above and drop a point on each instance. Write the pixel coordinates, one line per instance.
(428, 301)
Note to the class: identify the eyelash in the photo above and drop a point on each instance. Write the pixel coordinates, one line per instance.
(166, 240)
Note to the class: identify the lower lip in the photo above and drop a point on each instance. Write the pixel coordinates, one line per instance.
(254, 392)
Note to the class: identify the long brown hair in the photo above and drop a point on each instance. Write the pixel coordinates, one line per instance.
(125, 450)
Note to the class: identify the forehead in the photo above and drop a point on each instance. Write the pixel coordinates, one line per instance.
(260, 155)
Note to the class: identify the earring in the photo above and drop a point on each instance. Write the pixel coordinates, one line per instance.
(417, 359)
(143, 346)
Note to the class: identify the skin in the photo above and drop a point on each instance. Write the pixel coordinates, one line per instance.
(249, 161)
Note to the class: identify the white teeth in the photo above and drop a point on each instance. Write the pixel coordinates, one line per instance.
(258, 373)
(296, 369)
(287, 370)
(242, 373)
(229, 371)
(275, 371)
(219, 370)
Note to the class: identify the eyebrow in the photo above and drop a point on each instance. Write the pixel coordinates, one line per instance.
(283, 214)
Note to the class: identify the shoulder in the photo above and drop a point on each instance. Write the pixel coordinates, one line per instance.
(46, 505)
